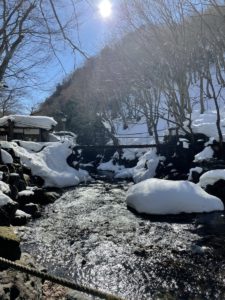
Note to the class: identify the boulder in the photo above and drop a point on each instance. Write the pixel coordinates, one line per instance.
(14, 179)
(13, 192)
(31, 209)
(25, 197)
(8, 205)
(21, 218)
(43, 196)
(4, 218)
(10, 243)
(4, 168)
(217, 189)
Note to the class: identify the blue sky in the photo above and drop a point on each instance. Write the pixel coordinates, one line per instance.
(93, 34)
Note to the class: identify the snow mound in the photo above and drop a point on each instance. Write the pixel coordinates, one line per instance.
(6, 157)
(51, 165)
(29, 121)
(211, 177)
(161, 197)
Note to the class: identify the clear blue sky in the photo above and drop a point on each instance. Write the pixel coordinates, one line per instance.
(93, 34)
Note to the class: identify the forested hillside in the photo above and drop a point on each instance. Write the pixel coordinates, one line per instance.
(169, 62)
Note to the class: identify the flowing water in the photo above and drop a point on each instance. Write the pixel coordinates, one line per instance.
(89, 236)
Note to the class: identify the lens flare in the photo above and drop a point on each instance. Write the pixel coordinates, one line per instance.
(105, 8)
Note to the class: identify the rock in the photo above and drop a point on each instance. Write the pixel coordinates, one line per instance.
(20, 218)
(25, 197)
(14, 179)
(4, 168)
(10, 243)
(21, 185)
(8, 205)
(27, 179)
(18, 285)
(38, 181)
(32, 209)
(217, 189)
(4, 218)
(42, 196)
(13, 192)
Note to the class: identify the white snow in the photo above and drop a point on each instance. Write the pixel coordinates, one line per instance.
(20, 214)
(196, 169)
(144, 169)
(32, 146)
(51, 165)
(6, 157)
(158, 196)
(4, 187)
(26, 193)
(4, 200)
(211, 177)
(207, 153)
(146, 166)
(29, 121)
(206, 123)
(110, 166)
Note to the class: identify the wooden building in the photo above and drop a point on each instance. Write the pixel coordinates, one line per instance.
(27, 128)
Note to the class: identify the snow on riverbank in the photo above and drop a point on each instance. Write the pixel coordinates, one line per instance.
(50, 163)
(157, 196)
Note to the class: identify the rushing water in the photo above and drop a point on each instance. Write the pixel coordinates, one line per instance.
(89, 236)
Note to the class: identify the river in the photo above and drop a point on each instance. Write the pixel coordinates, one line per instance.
(89, 236)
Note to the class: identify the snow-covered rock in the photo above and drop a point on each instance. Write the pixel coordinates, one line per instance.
(146, 166)
(5, 200)
(21, 214)
(26, 193)
(196, 169)
(6, 157)
(144, 169)
(51, 165)
(211, 177)
(205, 154)
(158, 196)
(4, 187)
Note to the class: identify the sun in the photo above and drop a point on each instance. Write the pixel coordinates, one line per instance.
(105, 8)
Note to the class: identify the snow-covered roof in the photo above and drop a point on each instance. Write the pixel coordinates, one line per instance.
(29, 121)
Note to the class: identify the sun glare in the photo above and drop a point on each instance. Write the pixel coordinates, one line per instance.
(105, 8)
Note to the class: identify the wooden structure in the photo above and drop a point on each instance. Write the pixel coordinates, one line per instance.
(11, 130)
